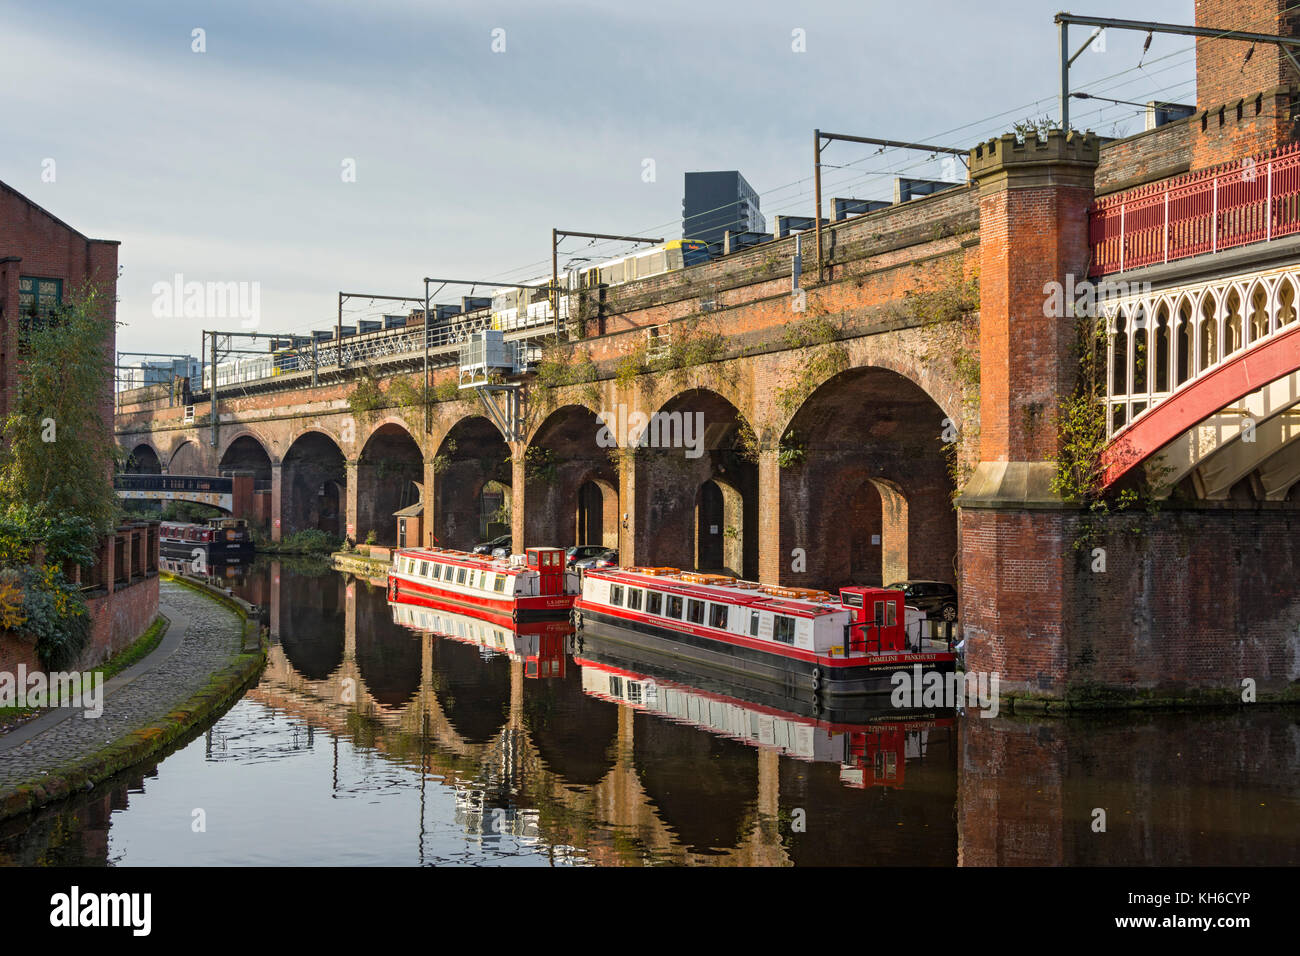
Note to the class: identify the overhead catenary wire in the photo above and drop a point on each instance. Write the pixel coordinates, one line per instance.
(795, 201)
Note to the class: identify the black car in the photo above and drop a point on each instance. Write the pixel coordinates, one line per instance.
(487, 547)
(580, 552)
(936, 599)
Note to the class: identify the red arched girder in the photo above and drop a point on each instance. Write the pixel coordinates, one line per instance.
(1212, 392)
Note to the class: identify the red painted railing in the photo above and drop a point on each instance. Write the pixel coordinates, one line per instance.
(1254, 200)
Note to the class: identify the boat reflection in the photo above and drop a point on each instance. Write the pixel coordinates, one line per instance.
(871, 748)
(543, 646)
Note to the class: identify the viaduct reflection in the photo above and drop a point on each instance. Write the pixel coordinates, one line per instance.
(555, 746)
(535, 748)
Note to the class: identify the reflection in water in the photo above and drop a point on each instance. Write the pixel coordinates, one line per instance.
(370, 740)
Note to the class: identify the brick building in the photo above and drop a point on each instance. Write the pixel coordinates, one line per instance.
(43, 262)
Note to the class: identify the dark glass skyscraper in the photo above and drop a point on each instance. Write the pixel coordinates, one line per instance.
(717, 201)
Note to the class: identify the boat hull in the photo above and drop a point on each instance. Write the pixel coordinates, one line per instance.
(214, 552)
(501, 610)
(829, 682)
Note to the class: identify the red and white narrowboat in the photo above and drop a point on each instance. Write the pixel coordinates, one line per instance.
(533, 585)
(793, 639)
(541, 646)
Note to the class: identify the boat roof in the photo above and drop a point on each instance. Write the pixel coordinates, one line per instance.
(747, 595)
(462, 559)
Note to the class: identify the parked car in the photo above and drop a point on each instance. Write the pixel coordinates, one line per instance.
(936, 599)
(487, 547)
(580, 552)
(607, 558)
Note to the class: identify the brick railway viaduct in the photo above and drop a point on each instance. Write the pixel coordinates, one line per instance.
(898, 420)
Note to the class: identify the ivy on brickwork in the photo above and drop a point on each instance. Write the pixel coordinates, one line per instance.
(825, 358)
(366, 397)
(687, 345)
(1082, 439)
(789, 452)
(370, 395)
(948, 312)
(563, 366)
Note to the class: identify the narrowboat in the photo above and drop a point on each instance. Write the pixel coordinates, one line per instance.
(219, 541)
(872, 750)
(533, 585)
(542, 646)
(795, 640)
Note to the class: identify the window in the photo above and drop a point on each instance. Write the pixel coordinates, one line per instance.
(633, 599)
(39, 297)
(437, 571)
(460, 576)
(718, 615)
(654, 602)
(424, 568)
(616, 595)
(753, 624)
(783, 629)
(695, 611)
(851, 600)
(500, 584)
(674, 606)
(615, 686)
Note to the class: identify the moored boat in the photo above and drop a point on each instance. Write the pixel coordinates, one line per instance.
(529, 586)
(218, 541)
(797, 640)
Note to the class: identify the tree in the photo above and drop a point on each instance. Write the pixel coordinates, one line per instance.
(56, 448)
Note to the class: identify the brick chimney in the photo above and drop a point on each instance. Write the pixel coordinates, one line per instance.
(1244, 108)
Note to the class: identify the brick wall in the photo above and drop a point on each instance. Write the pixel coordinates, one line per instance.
(1145, 157)
(1165, 615)
(1245, 107)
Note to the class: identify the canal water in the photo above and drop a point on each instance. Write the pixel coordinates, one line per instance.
(433, 739)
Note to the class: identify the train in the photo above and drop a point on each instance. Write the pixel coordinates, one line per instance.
(507, 309)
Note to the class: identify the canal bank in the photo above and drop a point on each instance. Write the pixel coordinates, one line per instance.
(211, 652)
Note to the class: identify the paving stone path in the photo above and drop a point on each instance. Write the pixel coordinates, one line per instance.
(203, 638)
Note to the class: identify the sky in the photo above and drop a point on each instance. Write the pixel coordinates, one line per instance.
(317, 146)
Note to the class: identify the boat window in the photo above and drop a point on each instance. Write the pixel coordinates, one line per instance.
(633, 599)
(851, 600)
(615, 686)
(460, 576)
(695, 611)
(616, 595)
(500, 584)
(634, 692)
(718, 615)
(783, 629)
(753, 623)
(654, 602)
(437, 571)
(424, 568)
(674, 606)
(890, 613)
